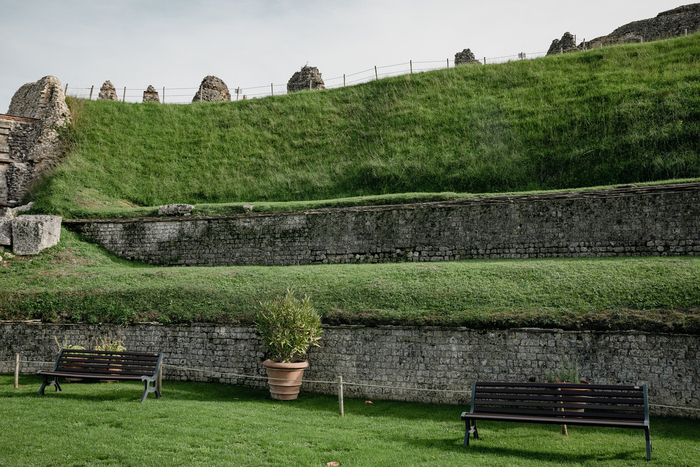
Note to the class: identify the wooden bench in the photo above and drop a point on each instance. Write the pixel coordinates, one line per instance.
(106, 365)
(560, 404)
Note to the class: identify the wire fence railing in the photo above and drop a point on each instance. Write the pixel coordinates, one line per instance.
(186, 95)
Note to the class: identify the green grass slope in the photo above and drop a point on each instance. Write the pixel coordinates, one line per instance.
(77, 281)
(623, 114)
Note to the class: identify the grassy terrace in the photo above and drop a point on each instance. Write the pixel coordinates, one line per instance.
(104, 424)
(78, 281)
(628, 114)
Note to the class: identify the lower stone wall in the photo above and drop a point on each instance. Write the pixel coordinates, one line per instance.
(396, 357)
(656, 220)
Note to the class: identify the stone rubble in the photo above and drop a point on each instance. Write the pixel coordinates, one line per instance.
(175, 210)
(306, 79)
(564, 45)
(466, 57)
(150, 95)
(212, 89)
(108, 92)
(31, 234)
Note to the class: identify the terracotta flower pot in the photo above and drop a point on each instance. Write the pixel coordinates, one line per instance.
(285, 378)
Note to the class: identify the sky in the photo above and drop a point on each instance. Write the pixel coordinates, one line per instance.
(252, 44)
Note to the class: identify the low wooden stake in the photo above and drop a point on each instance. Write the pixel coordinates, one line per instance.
(163, 94)
(16, 370)
(272, 89)
(448, 63)
(66, 91)
(343, 79)
(375, 73)
(91, 88)
(411, 64)
(159, 381)
(124, 96)
(484, 60)
(340, 396)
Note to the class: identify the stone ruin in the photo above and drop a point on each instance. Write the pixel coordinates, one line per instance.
(29, 139)
(212, 89)
(150, 95)
(28, 234)
(466, 57)
(566, 44)
(308, 78)
(108, 92)
(671, 23)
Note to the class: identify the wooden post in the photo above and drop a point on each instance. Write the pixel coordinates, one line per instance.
(340, 396)
(163, 94)
(484, 60)
(411, 64)
(66, 91)
(343, 79)
(686, 31)
(16, 370)
(124, 96)
(272, 89)
(376, 76)
(91, 88)
(238, 92)
(448, 63)
(159, 381)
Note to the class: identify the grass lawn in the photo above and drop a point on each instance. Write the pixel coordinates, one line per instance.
(214, 424)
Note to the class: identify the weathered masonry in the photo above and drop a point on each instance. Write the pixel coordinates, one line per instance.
(17, 136)
(396, 357)
(626, 221)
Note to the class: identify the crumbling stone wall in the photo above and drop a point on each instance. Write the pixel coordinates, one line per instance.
(308, 78)
(212, 89)
(466, 57)
(654, 220)
(108, 92)
(395, 356)
(150, 95)
(671, 23)
(29, 140)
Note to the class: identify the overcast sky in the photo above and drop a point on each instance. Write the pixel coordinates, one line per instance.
(176, 43)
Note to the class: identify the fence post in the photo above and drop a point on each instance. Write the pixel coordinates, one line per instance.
(124, 96)
(411, 63)
(65, 93)
(272, 89)
(16, 370)
(448, 63)
(340, 396)
(376, 76)
(163, 94)
(343, 79)
(91, 88)
(238, 92)
(484, 60)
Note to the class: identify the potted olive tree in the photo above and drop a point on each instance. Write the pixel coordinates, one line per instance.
(288, 327)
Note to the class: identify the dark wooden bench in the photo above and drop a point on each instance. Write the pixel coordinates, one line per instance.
(106, 365)
(560, 404)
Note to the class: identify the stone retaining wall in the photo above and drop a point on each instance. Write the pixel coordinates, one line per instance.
(655, 220)
(409, 357)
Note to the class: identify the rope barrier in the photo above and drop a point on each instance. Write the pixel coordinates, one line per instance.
(344, 383)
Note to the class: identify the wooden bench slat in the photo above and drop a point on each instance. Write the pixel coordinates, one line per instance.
(549, 392)
(484, 384)
(562, 414)
(572, 405)
(554, 421)
(554, 396)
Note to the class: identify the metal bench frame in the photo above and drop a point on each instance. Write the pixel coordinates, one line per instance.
(555, 403)
(106, 365)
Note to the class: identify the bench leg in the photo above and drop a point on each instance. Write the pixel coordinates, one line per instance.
(148, 389)
(647, 435)
(46, 382)
(469, 429)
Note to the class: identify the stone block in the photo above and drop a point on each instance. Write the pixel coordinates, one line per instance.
(32, 234)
